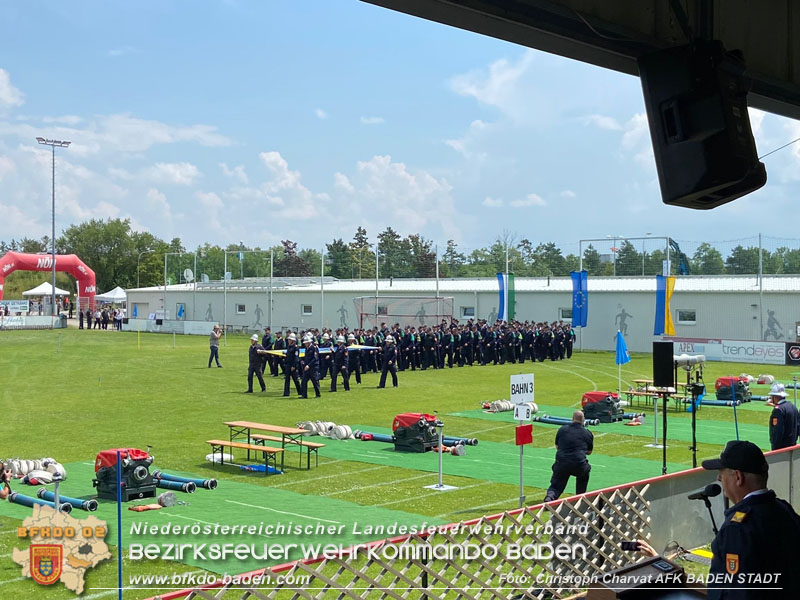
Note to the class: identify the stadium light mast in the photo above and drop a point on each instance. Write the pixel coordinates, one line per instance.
(53, 144)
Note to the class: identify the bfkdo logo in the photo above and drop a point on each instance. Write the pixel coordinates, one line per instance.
(46, 562)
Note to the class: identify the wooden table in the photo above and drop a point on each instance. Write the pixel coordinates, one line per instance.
(244, 428)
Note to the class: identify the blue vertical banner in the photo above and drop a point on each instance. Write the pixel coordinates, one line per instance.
(580, 298)
(502, 311)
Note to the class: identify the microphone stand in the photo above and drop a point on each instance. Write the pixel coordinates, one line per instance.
(711, 514)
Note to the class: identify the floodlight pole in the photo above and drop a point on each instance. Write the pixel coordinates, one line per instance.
(53, 144)
(376, 284)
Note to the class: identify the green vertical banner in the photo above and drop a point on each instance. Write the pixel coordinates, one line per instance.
(511, 302)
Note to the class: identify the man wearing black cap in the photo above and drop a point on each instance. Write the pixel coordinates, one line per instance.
(784, 422)
(760, 533)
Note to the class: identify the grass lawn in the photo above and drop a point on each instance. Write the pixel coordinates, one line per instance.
(71, 394)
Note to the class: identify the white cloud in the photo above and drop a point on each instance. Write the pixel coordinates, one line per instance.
(118, 133)
(492, 202)
(9, 95)
(603, 122)
(414, 200)
(341, 182)
(498, 87)
(21, 221)
(529, 200)
(321, 114)
(158, 205)
(236, 172)
(7, 166)
(473, 137)
(372, 120)
(183, 173)
(567, 194)
(66, 119)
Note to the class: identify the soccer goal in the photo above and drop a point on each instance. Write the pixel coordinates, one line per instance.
(406, 310)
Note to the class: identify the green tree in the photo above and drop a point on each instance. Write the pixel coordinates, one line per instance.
(423, 257)
(313, 259)
(787, 261)
(742, 261)
(629, 261)
(549, 260)
(340, 262)
(362, 255)
(107, 247)
(291, 264)
(452, 260)
(707, 260)
(591, 260)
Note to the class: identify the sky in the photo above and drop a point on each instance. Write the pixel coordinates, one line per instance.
(257, 121)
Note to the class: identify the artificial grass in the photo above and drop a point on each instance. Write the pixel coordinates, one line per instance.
(678, 427)
(70, 394)
(492, 461)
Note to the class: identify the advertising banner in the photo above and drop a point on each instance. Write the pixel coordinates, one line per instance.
(793, 353)
(16, 306)
(765, 353)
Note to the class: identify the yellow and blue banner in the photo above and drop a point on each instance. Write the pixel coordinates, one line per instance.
(506, 287)
(665, 286)
(580, 298)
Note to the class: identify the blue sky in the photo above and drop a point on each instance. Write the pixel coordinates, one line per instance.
(258, 121)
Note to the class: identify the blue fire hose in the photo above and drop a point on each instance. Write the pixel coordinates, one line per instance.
(18, 498)
(209, 484)
(90, 505)
(178, 486)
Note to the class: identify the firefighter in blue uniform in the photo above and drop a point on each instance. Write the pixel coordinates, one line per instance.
(326, 359)
(389, 362)
(353, 358)
(573, 444)
(340, 366)
(279, 344)
(784, 422)
(266, 343)
(759, 535)
(254, 364)
(290, 365)
(310, 364)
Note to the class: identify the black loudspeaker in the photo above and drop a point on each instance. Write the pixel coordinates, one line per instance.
(159, 321)
(125, 320)
(663, 365)
(696, 100)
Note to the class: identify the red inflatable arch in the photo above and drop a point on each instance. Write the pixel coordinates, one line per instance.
(68, 263)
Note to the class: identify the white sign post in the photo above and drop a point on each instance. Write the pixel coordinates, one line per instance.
(522, 397)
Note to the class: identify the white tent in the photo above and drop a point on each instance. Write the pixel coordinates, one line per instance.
(45, 289)
(115, 296)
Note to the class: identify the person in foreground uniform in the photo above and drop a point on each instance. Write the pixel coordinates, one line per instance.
(291, 364)
(310, 364)
(339, 365)
(389, 362)
(573, 444)
(760, 534)
(784, 422)
(254, 365)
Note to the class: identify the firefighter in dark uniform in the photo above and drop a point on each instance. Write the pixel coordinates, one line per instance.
(278, 362)
(290, 365)
(266, 343)
(759, 535)
(573, 444)
(353, 359)
(254, 364)
(570, 341)
(509, 340)
(389, 362)
(310, 364)
(784, 422)
(340, 366)
(326, 359)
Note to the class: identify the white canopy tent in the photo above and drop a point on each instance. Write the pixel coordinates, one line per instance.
(45, 289)
(115, 296)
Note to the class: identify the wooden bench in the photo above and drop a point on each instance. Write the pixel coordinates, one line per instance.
(268, 452)
(652, 396)
(309, 446)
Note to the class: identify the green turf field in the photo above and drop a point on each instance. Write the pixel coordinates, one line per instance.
(74, 393)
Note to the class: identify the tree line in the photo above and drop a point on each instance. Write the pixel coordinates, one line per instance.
(121, 256)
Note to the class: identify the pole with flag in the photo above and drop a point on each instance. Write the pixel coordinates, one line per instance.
(623, 357)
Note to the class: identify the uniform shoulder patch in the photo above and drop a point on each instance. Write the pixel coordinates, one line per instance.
(738, 517)
(775, 421)
(732, 563)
